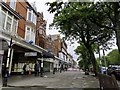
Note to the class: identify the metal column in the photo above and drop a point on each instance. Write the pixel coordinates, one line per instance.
(41, 70)
(11, 58)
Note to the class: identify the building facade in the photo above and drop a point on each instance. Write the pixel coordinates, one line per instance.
(18, 33)
(23, 38)
(41, 31)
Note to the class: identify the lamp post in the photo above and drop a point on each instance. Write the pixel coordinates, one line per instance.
(6, 72)
(41, 70)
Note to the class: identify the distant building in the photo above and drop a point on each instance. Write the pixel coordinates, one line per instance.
(41, 31)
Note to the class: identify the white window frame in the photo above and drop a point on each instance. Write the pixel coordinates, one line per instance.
(31, 37)
(6, 21)
(33, 17)
(11, 3)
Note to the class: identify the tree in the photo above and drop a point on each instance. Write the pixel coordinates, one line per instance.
(113, 57)
(72, 20)
(84, 57)
(106, 15)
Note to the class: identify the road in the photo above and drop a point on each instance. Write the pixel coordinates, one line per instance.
(67, 79)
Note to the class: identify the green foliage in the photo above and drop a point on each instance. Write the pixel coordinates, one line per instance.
(114, 57)
(74, 20)
(84, 56)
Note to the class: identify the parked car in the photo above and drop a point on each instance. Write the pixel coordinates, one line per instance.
(104, 70)
(114, 70)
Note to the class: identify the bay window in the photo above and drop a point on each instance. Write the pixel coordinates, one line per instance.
(9, 22)
(14, 27)
(31, 16)
(3, 15)
(30, 34)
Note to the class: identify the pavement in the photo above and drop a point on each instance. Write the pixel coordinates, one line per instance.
(69, 80)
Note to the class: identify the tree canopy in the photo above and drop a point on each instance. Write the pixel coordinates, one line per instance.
(103, 14)
(72, 20)
(113, 57)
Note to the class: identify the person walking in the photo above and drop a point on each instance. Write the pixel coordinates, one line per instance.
(37, 68)
(24, 69)
(28, 69)
(5, 77)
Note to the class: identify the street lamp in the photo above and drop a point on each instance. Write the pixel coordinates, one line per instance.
(41, 70)
(6, 72)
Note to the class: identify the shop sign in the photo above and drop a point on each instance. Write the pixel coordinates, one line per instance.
(31, 54)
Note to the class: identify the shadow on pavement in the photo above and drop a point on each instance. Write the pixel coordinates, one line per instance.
(43, 88)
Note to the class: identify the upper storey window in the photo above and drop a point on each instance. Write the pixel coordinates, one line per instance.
(13, 4)
(9, 23)
(31, 16)
(30, 34)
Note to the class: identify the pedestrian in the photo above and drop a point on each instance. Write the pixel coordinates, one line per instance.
(61, 68)
(28, 69)
(37, 68)
(5, 78)
(24, 69)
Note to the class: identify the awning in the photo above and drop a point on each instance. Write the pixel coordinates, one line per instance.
(47, 54)
(27, 47)
(20, 44)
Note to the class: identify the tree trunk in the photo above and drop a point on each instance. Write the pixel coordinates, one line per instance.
(92, 57)
(117, 24)
(118, 39)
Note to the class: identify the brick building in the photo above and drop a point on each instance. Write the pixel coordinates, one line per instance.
(41, 31)
(23, 38)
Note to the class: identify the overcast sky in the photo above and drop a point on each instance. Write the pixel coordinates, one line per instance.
(41, 7)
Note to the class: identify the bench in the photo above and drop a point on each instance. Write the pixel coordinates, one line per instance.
(107, 82)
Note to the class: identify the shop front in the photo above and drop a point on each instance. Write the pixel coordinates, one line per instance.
(17, 52)
(48, 61)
